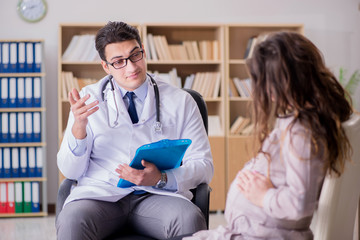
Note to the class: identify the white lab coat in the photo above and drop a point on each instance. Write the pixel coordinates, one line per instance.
(108, 147)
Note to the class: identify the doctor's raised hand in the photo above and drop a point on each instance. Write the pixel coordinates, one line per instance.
(81, 112)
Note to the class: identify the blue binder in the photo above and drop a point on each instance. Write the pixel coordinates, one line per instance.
(1, 164)
(20, 92)
(7, 162)
(4, 127)
(15, 173)
(21, 57)
(165, 154)
(13, 57)
(20, 127)
(35, 197)
(23, 162)
(28, 127)
(12, 92)
(5, 57)
(39, 162)
(37, 92)
(12, 127)
(4, 92)
(37, 57)
(36, 126)
(31, 162)
(29, 92)
(29, 63)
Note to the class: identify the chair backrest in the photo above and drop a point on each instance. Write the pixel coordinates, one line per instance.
(339, 198)
(201, 104)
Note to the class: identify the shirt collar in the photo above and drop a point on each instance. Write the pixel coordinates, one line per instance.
(140, 92)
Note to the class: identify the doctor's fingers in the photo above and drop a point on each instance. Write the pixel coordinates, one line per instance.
(85, 110)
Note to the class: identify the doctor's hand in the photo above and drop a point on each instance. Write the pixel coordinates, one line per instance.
(81, 112)
(253, 186)
(149, 176)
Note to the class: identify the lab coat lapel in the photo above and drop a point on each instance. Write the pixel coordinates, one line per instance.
(112, 105)
(149, 109)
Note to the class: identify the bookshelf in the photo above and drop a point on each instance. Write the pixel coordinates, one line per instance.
(23, 182)
(240, 147)
(207, 58)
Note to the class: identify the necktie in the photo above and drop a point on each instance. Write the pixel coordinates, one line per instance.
(132, 109)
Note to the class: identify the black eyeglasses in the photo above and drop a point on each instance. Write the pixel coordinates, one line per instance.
(123, 61)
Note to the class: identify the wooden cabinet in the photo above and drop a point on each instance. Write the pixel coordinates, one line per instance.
(240, 148)
(23, 183)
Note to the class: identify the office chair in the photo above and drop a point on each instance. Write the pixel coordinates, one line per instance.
(201, 192)
(339, 198)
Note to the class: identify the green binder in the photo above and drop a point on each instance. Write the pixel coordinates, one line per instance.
(27, 197)
(19, 208)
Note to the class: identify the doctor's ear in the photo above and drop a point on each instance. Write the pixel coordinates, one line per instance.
(105, 66)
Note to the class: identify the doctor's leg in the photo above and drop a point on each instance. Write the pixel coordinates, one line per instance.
(162, 217)
(91, 219)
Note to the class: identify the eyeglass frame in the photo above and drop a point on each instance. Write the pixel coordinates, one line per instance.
(126, 59)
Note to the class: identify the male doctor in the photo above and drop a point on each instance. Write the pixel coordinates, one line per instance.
(104, 130)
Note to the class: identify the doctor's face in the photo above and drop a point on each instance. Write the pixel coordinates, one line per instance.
(128, 52)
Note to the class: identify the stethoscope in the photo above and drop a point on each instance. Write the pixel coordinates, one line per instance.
(157, 126)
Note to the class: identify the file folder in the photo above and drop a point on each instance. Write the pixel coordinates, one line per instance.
(165, 154)
(13, 57)
(37, 92)
(31, 162)
(1, 57)
(37, 56)
(36, 127)
(28, 92)
(20, 127)
(28, 127)
(29, 57)
(3, 197)
(1, 164)
(15, 173)
(27, 197)
(39, 161)
(10, 197)
(12, 92)
(21, 57)
(4, 93)
(4, 127)
(35, 195)
(7, 162)
(12, 127)
(19, 197)
(23, 162)
(5, 57)
(20, 92)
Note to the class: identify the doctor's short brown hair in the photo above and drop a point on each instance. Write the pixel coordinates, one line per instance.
(114, 32)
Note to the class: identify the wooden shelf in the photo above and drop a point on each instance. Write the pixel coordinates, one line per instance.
(27, 179)
(41, 109)
(37, 214)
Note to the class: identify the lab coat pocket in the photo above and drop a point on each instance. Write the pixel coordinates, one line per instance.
(165, 130)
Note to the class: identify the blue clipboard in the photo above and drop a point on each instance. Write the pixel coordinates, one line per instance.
(165, 154)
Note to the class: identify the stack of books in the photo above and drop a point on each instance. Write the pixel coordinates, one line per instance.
(69, 82)
(242, 126)
(158, 48)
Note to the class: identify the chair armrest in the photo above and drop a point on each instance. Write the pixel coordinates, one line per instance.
(202, 199)
(63, 193)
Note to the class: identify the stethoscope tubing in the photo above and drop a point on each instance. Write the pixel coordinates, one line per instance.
(158, 126)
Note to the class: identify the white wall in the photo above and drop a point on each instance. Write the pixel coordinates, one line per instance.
(333, 25)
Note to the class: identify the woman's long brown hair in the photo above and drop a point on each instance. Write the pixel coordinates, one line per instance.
(289, 76)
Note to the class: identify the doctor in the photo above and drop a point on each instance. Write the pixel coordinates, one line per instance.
(105, 128)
